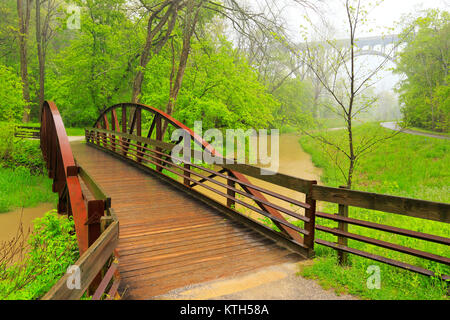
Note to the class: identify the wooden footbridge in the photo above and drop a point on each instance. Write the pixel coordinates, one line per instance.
(183, 223)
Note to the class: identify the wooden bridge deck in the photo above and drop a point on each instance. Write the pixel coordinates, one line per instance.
(167, 239)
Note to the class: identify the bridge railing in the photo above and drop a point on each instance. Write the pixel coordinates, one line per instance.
(221, 186)
(29, 132)
(411, 208)
(227, 188)
(79, 195)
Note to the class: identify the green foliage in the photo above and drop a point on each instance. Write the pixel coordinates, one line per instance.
(296, 102)
(219, 88)
(93, 70)
(22, 168)
(17, 152)
(405, 165)
(19, 188)
(53, 248)
(425, 60)
(11, 101)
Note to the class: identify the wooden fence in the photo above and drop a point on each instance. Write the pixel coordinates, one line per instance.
(28, 132)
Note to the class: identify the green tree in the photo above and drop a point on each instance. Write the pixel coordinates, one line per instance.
(425, 61)
(11, 101)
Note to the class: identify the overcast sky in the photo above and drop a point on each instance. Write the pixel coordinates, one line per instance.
(382, 17)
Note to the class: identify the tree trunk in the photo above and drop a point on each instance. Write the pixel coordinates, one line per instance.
(190, 24)
(40, 57)
(147, 52)
(24, 21)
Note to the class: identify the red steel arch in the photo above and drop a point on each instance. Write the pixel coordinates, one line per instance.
(135, 119)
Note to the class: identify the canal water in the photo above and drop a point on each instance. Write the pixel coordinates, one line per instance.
(10, 221)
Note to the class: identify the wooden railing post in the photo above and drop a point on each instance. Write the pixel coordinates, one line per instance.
(231, 183)
(138, 115)
(159, 137)
(343, 226)
(187, 174)
(96, 209)
(310, 225)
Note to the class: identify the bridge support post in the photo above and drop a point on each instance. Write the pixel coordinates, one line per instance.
(96, 209)
(159, 137)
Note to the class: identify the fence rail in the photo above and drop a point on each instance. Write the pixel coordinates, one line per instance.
(28, 132)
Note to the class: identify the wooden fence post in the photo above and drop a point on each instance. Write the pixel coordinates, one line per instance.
(310, 226)
(230, 202)
(343, 226)
(187, 174)
(96, 209)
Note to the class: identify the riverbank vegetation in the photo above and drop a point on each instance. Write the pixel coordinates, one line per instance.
(405, 165)
(30, 264)
(23, 180)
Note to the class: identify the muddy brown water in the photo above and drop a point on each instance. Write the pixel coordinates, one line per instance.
(10, 221)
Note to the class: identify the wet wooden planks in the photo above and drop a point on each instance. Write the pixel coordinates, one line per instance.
(169, 240)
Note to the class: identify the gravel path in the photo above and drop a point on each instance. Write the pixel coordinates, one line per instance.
(75, 138)
(396, 127)
(272, 283)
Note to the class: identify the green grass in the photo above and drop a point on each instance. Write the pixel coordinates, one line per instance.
(405, 165)
(75, 131)
(19, 188)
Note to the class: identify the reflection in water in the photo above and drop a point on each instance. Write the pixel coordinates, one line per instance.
(10, 221)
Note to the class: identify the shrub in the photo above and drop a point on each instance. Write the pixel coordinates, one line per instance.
(52, 248)
(15, 152)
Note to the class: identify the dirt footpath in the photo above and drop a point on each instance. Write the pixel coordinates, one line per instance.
(273, 283)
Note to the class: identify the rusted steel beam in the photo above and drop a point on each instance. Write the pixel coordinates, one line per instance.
(138, 115)
(281, 221)
(58, 154)
(197, 139)
(158, 159)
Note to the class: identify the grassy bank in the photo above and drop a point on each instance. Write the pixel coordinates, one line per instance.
(405, 165)
(19, 188)
(23, 178)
